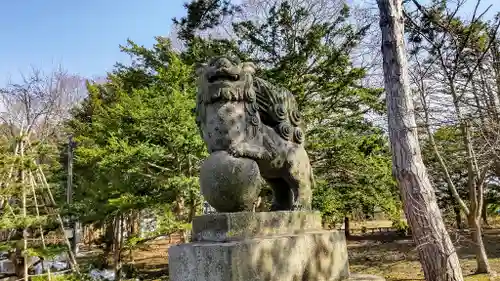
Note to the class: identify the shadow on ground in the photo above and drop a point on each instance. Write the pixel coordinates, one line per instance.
(385, 254)
(396, 257)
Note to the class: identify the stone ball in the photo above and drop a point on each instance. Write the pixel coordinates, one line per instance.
(230, 184)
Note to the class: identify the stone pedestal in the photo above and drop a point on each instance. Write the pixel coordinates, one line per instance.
(268, 246)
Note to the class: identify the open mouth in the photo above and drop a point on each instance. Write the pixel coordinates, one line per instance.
(223, 76)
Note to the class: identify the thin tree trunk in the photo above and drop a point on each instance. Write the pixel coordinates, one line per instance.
(484, 214)
(456, 208)
(180, 207)
(483, 265)
(17, 259)
(135, 223)
(109, 231)
(347, 227)
(458, 216)
(25, 230)
(475, 183)
(437, 255)
(118, 244)
(192, 210)
(134, 231)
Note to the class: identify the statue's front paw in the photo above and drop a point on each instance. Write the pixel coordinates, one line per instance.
(268, 156)
(297, 207)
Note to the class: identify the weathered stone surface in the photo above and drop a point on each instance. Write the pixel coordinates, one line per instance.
(229, 183)
(258, 127)
(315, 256)
(221, 227)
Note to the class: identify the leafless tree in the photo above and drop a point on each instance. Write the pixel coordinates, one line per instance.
(450, 78)
(39, 102)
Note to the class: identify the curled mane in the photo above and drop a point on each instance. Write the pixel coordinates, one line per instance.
(278, 109)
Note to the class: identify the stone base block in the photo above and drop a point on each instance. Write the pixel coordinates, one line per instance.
(315, 256)
(223, 227)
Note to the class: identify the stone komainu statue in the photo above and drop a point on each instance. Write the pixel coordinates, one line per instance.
(253, 132)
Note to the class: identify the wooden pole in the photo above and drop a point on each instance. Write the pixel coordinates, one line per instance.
(33, 190)
(43, 180)
(69, 196)
(72, 258)
(69, 183)
(23, 188)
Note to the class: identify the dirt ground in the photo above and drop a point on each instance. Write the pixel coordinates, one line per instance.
(382, 254)
(397, 260)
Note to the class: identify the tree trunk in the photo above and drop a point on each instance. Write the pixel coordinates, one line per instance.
(192, 210)
(136, 223)
(180, 208)
(17, 259)
(347, 227)
(108, 241)
(118, 244)
(484, 214)
(458, 216)
(133, 225)
(483, 266)
(437, 254)
(475, 183)
(456, 208)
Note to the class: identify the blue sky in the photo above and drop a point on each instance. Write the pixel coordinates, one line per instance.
(82, 36)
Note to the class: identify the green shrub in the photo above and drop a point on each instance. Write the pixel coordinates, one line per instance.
(401, 226)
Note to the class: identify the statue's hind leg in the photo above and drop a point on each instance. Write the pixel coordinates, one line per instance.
(300, 178)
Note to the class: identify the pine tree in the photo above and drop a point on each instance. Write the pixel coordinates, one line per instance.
(138, 146)
(311, 58)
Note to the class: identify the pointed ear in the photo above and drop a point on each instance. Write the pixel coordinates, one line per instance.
(200, 68)
(248, 67)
